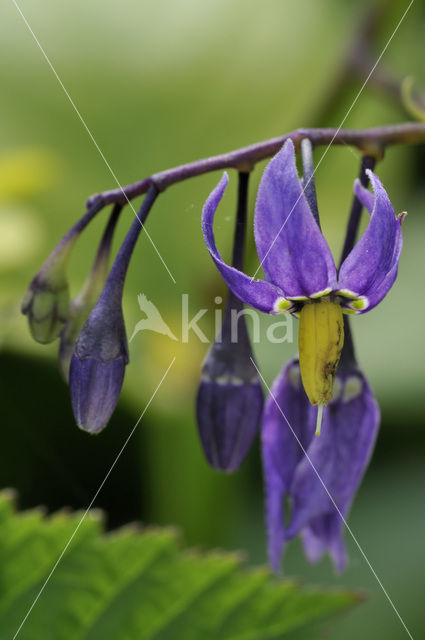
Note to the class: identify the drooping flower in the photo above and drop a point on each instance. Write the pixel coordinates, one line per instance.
(317, 477)
(300, 272)
(100, 355)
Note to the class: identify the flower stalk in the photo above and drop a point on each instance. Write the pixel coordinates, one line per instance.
(308, 178)
(371, 141)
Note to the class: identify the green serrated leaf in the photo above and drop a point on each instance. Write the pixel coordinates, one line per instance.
(139, 585)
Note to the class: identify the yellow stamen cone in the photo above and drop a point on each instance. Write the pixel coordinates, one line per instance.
(320, 341)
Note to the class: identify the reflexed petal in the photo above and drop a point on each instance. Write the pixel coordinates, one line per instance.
(280, 449)
(364, 195)
(380, 291)
(293, 252)
(257, 293)
(339, 457)
(371, 267)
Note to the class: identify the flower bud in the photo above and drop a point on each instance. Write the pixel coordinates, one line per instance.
(88, 296)
(230, 399)
(46, 302)
(97, 368)
(100, 355)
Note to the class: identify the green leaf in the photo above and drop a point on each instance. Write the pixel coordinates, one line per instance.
(139, 585)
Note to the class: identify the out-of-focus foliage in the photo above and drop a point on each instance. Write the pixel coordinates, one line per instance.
(133, 584)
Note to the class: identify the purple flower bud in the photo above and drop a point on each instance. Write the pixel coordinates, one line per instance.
(230, 397)
(229, 402)
(46, 302)
(100, 355)
(97, 366)
(86, 299)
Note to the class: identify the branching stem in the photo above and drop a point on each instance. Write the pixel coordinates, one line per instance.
(372, 142)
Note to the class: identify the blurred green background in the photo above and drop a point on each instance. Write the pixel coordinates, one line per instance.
(161, 83)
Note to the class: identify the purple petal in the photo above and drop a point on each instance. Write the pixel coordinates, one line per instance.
(337, 460)
(325, 533)
(281, 450)
(364, 195)
(371, 268)
(380, 291)
(293, 252)
(257, 293)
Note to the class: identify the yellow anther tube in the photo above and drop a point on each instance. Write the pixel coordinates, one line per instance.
(320, 341)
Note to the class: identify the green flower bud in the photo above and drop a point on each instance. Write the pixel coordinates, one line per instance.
(46, 303)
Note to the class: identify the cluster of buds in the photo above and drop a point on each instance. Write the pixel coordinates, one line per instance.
(93, 350)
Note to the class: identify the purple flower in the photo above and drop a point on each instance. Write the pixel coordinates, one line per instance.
(295, 256)
(300, 272)
(230, 398)
(297, 465)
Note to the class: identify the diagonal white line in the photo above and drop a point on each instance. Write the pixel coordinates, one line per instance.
(83, 517)
(333, 502)
(334, 136)
(91, 137)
